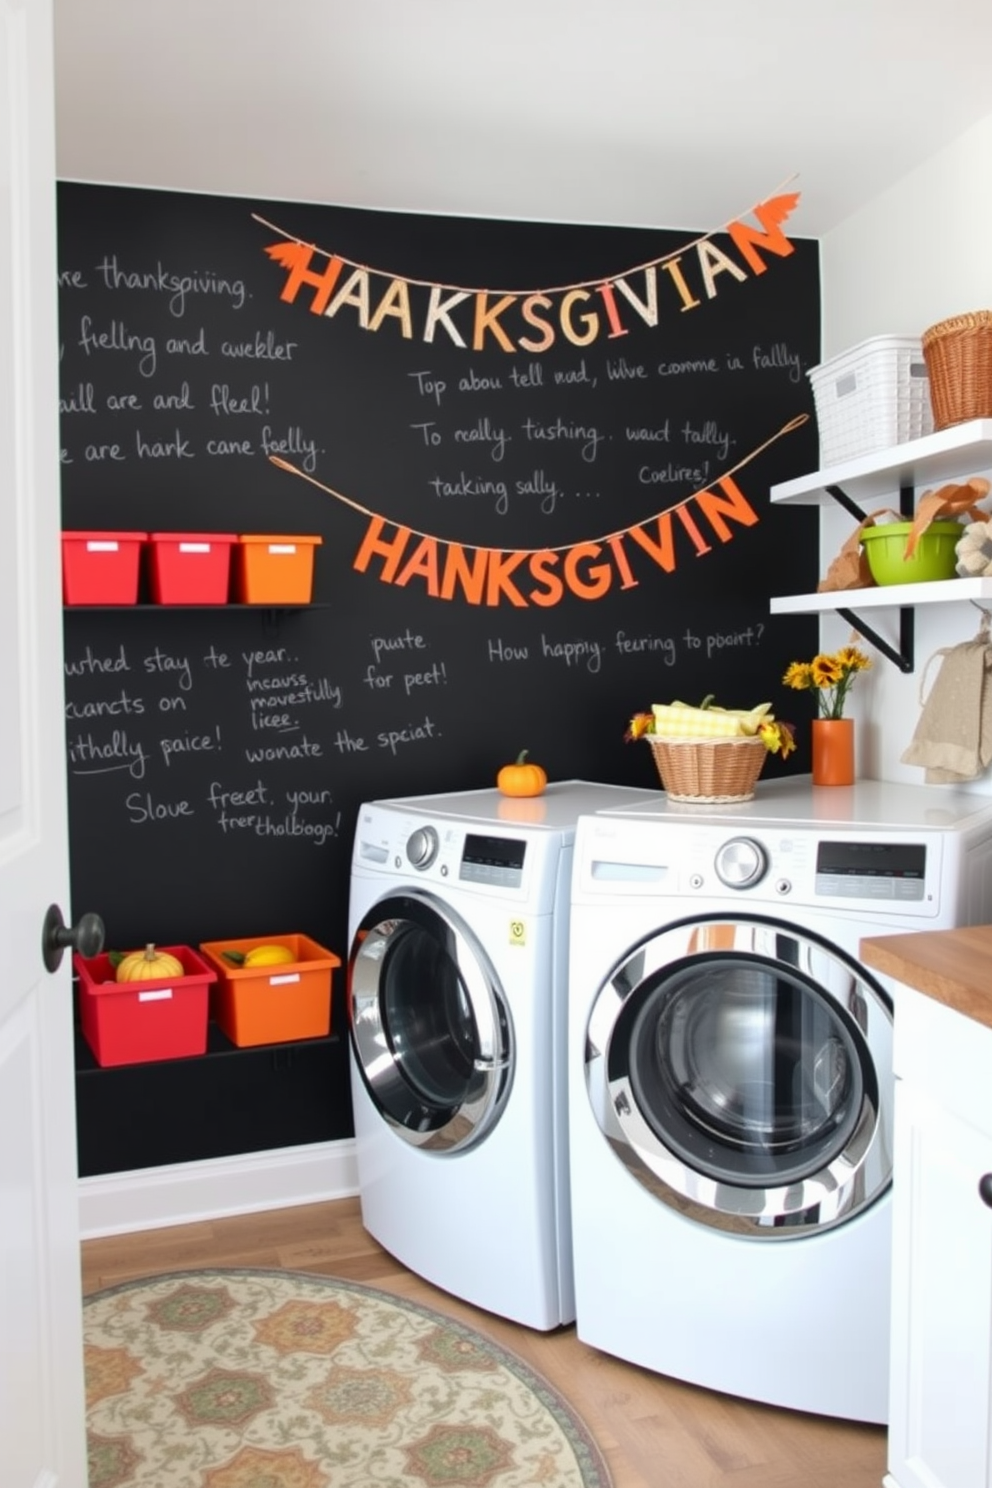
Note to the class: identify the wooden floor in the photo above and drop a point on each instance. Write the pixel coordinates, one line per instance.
(653, 1432)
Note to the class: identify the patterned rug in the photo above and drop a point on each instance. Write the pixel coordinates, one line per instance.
(277, 1379)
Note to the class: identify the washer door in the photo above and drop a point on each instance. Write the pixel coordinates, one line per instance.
(429, 1024)
(742, 1069)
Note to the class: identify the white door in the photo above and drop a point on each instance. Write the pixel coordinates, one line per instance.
(42, 1439)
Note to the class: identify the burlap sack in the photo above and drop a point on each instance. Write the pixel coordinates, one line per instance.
(849, 570)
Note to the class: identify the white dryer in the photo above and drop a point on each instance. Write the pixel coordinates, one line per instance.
(730, 1077)
(457, 1006)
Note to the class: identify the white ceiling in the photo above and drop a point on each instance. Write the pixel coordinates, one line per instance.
(672, 113)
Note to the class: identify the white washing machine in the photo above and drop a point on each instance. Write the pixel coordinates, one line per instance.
(730, 1077)
(457, 1006)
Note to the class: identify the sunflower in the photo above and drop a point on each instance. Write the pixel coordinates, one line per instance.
(830, 675)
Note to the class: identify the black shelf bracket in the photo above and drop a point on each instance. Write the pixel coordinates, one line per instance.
(842, 499)
(904, 658)
(906, 499)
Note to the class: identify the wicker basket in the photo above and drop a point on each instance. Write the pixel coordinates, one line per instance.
(712, 771)
(958, 355)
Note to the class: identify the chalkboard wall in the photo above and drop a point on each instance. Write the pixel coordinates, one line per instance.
(235, 366)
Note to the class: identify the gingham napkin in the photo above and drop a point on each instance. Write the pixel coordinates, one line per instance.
(680, 721)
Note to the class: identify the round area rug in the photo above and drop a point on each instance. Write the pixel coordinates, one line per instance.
(278, 1379)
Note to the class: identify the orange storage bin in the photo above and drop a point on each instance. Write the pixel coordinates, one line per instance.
(133, 1022)
(191, 568)
(101, 568)
(275, 570)
(276, 1003)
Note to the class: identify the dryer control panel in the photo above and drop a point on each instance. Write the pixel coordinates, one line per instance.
(520, 866)
(492, 860)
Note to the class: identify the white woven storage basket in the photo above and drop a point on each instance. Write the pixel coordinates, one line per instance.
(875, 395)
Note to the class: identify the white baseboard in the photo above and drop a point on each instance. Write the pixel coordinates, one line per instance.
(184, 1193)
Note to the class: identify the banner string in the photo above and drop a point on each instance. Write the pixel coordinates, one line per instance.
(788, 428)
(548, 290)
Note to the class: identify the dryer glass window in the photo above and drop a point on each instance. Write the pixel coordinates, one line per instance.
(428, 1020)
(745, 1071)
(429, 1025)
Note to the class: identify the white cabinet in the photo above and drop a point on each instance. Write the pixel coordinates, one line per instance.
(941, 1366)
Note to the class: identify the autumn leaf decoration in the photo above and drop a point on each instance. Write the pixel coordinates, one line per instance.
(947, 502)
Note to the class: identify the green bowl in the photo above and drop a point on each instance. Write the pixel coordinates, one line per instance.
(935, 556)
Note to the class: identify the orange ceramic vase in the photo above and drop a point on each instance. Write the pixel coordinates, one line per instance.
(833, 751)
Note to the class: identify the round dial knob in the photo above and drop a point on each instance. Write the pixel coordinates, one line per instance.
(421, 847)
(740, 863)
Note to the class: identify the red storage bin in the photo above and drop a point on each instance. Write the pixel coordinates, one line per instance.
(133, 1022)
(101, 568)
(191, 568)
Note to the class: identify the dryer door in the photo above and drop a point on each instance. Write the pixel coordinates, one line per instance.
(742, 1069)
(429, 1024)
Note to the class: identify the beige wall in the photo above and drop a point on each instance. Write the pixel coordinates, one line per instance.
(917, 254)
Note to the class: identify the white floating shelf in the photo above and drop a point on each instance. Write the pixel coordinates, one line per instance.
(941, 591)
(951, 455)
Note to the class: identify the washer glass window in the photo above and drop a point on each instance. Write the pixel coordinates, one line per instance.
(742, 1070)
(745, 1070)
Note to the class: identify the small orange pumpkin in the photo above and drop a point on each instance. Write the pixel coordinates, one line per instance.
(522, 778)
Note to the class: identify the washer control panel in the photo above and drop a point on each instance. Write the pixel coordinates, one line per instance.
(846, 866)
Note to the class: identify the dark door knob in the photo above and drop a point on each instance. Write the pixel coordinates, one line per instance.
(985, 1188)
(86, 937)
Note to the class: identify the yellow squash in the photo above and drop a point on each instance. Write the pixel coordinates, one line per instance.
(269, 955)
(148, 965)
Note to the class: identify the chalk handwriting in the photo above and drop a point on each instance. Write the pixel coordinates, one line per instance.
(429, 386)
(145, 808)
(176, 286)
(223, 399)
(709, 433)
(407, 641)
(777, 358)
(501, 651)
(411, 733)
(559, 430)
(122, 706)
(90, 756)
(587, 654)
(260, 348)
(117, 337)
(91, 665)
(688, 367)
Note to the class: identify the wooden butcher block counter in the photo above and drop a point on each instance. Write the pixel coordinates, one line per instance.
(951, 966)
